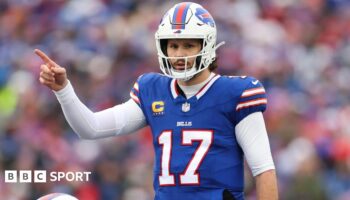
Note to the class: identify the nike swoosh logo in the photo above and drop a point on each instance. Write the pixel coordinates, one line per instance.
(255, 82)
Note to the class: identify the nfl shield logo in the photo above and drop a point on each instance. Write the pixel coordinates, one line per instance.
(186, 107)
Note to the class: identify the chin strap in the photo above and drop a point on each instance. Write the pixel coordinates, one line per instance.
(186, 79)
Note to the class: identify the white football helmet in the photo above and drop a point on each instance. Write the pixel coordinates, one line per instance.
(187, 20)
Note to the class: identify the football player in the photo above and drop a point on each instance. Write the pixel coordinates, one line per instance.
(203, 124)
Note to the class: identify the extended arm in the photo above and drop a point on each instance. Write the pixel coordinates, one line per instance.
(121, 119)
(252, 136)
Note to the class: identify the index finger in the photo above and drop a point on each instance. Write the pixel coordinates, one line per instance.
(43, 56)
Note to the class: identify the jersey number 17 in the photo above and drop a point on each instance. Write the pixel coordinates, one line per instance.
(190, 176)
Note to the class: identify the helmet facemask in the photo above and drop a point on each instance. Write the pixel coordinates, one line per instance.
(184, 74)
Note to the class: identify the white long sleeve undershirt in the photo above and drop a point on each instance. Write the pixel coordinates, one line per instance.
(128, 117)
(251, 135)
(118, 120)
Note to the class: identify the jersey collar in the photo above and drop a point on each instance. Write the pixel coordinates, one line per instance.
(176, 93)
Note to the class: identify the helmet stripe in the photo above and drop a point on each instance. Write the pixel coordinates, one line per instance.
(180, 14)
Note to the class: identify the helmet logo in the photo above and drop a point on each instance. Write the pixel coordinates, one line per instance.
(179, 16)
(205, 17)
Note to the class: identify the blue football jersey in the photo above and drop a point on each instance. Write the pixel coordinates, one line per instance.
(197, 155)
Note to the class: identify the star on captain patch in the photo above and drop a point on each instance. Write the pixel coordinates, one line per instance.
(186, 107)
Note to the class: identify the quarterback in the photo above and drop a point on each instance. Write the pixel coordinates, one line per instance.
(203, 124)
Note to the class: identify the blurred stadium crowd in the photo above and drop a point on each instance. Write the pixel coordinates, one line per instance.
(299, 49)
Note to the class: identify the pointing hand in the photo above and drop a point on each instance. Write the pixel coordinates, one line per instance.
(52, 75)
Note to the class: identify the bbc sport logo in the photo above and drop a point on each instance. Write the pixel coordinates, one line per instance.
(41, 176)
